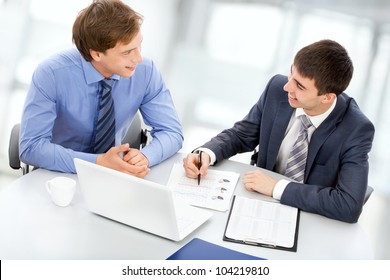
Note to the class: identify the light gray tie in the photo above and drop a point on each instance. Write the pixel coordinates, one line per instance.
(296, 161)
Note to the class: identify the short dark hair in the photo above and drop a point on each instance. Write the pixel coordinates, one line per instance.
(328, 63)
(103, 24)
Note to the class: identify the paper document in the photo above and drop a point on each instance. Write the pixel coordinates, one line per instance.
(259, 222)
(215, 190)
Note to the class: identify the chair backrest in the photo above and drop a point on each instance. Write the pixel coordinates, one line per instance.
(13, 148)
(136, 136)
(368, 193)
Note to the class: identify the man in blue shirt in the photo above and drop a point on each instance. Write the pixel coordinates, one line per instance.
(61, 109)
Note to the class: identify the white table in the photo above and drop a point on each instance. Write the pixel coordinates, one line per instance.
(32, 227)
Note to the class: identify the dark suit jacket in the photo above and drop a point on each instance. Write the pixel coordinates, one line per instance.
(337, 165)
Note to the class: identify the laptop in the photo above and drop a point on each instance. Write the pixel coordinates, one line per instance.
(137, 202)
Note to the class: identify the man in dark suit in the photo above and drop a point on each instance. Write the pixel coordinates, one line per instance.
(335, 172)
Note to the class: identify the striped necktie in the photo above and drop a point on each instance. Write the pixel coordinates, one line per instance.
(296, 161)
(105, 126)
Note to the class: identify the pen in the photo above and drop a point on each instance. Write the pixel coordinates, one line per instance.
(199, 165)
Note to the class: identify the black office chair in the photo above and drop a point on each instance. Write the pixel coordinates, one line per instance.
(136, 136)
(368, 191)
(13, 151)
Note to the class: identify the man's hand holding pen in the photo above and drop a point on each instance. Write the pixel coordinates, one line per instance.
(196, 165)
(199, 166)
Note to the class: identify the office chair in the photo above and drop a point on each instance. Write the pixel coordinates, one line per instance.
(13, 151)
(136, 136)
(366, 196)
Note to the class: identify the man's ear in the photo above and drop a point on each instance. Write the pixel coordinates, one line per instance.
(329, 97)
(95, 55)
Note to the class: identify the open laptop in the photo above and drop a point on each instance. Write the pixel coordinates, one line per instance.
(137, 202)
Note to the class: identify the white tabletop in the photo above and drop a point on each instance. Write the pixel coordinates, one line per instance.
(32, 227)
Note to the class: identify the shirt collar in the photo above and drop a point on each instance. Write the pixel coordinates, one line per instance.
(92, 75)
(316, 120)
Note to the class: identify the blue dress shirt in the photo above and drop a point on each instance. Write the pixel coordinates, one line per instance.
(60, 112)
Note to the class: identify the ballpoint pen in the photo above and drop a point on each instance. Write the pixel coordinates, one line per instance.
(199, 166)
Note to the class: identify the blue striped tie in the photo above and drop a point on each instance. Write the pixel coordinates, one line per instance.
(296, 162)
(105, 127)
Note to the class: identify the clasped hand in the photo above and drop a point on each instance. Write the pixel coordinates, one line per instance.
(132, 162)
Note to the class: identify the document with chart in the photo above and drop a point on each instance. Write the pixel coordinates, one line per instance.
(262, 223)
(214, 191)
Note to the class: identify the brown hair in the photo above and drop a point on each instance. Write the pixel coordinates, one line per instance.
(103, 24)
(328, 63)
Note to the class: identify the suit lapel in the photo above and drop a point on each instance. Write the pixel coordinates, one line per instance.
(324, 131)
(279, 126)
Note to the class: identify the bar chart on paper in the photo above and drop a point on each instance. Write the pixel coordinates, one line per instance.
(214, 191)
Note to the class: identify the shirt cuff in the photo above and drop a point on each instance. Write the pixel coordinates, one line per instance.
(213, 158)
(279, 188)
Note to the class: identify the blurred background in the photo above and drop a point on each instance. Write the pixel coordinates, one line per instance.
(216, 57)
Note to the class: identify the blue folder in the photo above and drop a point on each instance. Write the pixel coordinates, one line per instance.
(198, 249)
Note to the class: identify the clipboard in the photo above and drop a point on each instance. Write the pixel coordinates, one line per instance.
(262, 241)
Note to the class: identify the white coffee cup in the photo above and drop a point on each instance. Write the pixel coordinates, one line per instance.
(61, 190)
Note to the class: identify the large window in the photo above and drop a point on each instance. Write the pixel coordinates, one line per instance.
(216, 57)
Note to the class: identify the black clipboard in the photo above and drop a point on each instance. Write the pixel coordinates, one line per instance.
(271, 246)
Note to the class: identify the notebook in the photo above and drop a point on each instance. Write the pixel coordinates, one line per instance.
(136, 202)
